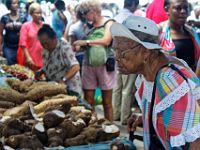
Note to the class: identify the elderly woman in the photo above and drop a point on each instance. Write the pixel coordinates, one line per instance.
(168, 92)
(59, 60)
(177, 38)
(30, 49)
(11, 23)
(97, 76)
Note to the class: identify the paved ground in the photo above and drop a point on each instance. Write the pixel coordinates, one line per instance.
(123, 131)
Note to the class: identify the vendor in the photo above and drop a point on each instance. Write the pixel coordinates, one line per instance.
(60, 64)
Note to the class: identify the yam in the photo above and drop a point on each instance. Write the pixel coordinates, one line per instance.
(54, 102)
(90, 133)
(21, 86)
(30, 122)
(19, 110)
(72, 128)
(55, 141)
(58, 131)
(18, 124)
(65, 107)
(11, 95)
(78, 140)
(14, 140)
(117, 145)
(55, 97)
(51, 132)
(47, 89)
(37, 84)
(8, 131)
(31, 142)
(2, 125)
(2, 110)
(53, 118)
(40, 132)
(6, 104)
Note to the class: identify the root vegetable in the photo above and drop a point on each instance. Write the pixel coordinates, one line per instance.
(6, 104)
(19, 125)
(30, 122)
(53, 118)
(18, 111)
(2, 110)
(58, 131)
(72, 128)
(11, 95)
(31, 142)
(14, 140)
(8, 131)
(55, 141)
(40, 132)
(65, 107)
(21, 86)
(78, 140)
(47, 89)
(54, 102)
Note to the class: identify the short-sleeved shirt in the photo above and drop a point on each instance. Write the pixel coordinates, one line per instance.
(12, 30)
(58, 62)
(28, 39)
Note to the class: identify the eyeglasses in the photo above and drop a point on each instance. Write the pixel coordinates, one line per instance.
(124, 53)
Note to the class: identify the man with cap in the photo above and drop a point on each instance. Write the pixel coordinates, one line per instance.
(168, 92)
(123, 93)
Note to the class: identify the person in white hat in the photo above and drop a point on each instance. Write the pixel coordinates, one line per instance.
(168, 91)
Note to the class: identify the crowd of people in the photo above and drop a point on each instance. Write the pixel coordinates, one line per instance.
(151, 58)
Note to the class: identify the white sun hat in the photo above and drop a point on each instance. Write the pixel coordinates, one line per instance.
(139, 29)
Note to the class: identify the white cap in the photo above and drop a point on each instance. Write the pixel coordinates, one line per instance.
(139, 29)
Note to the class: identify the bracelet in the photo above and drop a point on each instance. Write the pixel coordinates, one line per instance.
(88, 42)
(64, 79)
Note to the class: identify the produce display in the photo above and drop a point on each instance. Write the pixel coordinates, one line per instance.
(35, 115)
(18, 71)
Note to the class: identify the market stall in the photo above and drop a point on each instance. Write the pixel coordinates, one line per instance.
(41, 115)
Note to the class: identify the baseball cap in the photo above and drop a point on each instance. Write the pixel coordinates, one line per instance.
(139, 29)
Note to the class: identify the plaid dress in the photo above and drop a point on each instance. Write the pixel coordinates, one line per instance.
(176, 112)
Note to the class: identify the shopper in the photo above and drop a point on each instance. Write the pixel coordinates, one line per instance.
(97, 76)
(176, 37)
(59, 21)
(168, 91)
(30, 49)
(156, 12)
(11, 23)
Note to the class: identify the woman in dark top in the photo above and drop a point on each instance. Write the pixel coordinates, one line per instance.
(11, 23)
(177, 38)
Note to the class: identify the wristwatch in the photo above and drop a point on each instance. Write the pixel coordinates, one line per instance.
(64, 79)
(88, 42)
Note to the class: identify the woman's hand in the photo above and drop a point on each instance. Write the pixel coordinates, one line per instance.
(80, 43)
(29, 62)
(133, 122)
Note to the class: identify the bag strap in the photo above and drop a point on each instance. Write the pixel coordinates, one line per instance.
(94, 28)
(151, 128)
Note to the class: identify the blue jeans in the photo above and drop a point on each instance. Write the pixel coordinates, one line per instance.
(10, 54)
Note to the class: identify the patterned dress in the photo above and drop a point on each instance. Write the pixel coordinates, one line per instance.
(176, 111)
